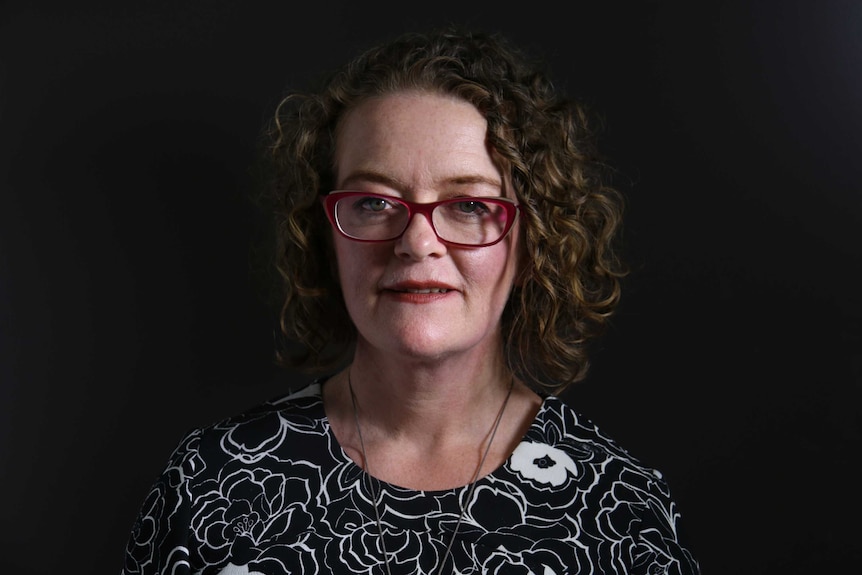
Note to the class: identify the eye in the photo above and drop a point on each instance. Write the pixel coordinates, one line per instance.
(472, 207)
(373, 203)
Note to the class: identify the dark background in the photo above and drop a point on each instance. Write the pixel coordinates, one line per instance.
(128, 313)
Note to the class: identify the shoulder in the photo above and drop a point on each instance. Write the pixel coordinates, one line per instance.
(559, 423)
(304, 403)
(297, 403)
(564, 446)
(565, 463)
(255, 433)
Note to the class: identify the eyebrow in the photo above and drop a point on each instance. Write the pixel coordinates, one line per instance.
(373, 177)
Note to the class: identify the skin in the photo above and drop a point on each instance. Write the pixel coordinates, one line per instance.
(422, 148)
(428, 370)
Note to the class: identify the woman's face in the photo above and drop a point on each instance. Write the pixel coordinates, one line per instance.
(422, 147)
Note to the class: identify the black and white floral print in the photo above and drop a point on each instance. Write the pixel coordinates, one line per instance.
(271, 492)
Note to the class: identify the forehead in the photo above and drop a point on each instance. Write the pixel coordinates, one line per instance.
(414, 137)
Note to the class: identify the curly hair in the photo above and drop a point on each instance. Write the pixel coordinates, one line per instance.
(571, 215)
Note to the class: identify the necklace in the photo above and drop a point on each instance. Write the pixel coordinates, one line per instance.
(472, 485)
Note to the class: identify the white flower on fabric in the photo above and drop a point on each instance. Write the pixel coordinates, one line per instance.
(535, 561)
(231, 569)
(542, 463)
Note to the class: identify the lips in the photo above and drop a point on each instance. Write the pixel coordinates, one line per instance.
(428, 290)
(419, 288)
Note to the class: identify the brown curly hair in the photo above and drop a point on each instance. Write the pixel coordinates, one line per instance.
(571, 216)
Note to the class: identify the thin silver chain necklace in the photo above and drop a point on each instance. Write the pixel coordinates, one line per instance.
(378, 491)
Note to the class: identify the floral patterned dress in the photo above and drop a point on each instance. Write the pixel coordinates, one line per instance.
(271, 492)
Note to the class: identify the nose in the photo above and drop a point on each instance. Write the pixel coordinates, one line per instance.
(419, 239)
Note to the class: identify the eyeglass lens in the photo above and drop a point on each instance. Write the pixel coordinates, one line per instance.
(463, 221)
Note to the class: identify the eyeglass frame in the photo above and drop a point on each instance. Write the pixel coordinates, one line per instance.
(512, 208)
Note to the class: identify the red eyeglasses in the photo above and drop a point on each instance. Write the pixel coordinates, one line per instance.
(469, 222)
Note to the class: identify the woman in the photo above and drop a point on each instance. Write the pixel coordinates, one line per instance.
(446, 247)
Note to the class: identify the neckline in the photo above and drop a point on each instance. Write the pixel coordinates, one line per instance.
(353, 467)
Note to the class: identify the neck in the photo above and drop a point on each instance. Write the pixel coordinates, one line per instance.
(485, 445)
(431, 398)
(426, 426)
(472, 485)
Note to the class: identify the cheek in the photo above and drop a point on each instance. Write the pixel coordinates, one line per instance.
(345, 264)
(493, 271)
(354, 262)
(348, 269)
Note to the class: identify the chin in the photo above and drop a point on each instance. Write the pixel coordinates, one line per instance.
(434, 346)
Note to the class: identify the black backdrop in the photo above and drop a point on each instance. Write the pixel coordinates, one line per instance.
(127, 136)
